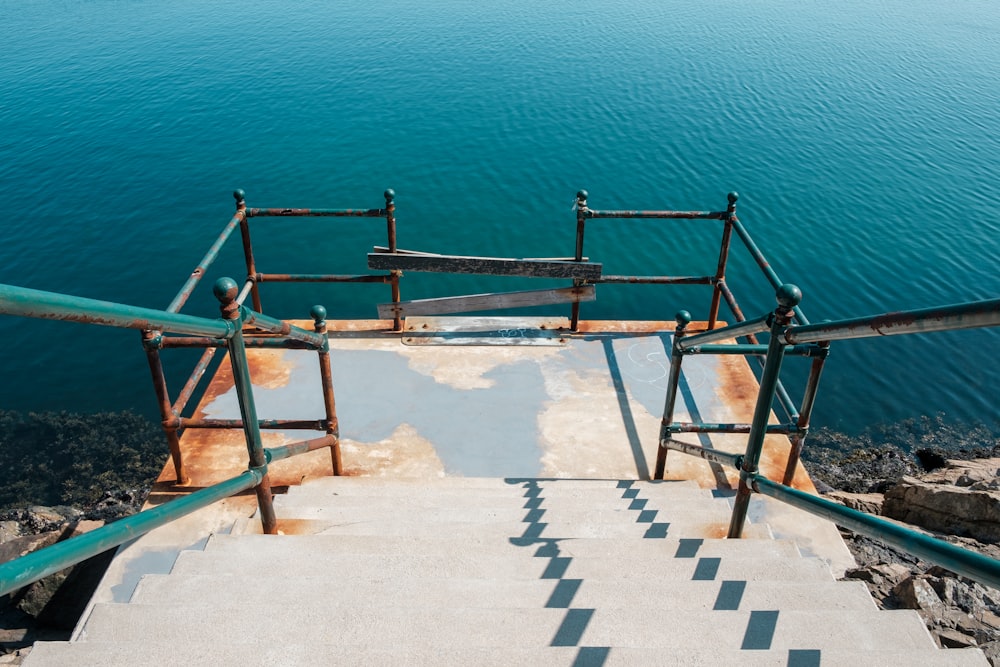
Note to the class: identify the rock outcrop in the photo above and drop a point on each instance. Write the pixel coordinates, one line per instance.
(962, 498)
(960, 501)
(50, 608)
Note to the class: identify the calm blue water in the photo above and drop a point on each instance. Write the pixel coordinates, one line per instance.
(863, 137)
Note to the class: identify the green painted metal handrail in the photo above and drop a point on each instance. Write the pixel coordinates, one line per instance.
(925, 320)
(39, 564)
(745, 328)
(39, 304)
(206, 261)
(276, 326)
(962, 561)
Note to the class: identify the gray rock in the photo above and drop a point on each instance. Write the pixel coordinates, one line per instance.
(22, 546)
(917, 593)
(965, 473)
(59, 599)
(945, 508)
(955, 639)
(9, 530)
(870, 503)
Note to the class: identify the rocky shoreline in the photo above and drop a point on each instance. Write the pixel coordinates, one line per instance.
(956, 499)
(49, 609)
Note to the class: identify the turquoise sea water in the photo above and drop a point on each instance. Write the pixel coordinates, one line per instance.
(863, 137)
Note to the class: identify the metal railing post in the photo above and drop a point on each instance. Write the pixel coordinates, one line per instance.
(332, 425)
(676, 357)
(390, 224)
(151, 343)
(581, 218)
(241, 208)
(788, 297)
(226, 290)
(798, 439)
(720, 272)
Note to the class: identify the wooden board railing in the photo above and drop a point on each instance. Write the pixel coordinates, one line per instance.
(490, 266)
(493, 301)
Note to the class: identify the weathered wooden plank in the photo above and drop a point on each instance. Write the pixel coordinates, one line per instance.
(489, 266)
(382, 250)
(493, 301)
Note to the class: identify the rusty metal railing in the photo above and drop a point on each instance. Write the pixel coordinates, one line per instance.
(798, 416)
(254, 278)
(227, 331)
(171, 412)
(813, 339)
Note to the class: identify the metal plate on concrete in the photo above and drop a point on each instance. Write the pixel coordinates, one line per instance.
(545, 331)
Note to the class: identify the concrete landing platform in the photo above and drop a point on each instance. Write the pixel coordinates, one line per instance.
(587, 404)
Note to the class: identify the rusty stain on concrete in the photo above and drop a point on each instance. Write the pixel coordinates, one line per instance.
(403, 454)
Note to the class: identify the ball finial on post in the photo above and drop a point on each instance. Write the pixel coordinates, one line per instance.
(683, 318)
(788, 296)
(226, 290)
(581, 196)
(318, 314)
(240, 198)
(732, 197)
(389, 195)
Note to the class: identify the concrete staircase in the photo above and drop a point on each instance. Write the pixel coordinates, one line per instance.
(498, 572)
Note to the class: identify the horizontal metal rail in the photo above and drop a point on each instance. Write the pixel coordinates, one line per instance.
(293, 449)
(278, 424)
(754, 350)
(712, 455)
(323, 278)
(276, 326)
(270, 342)
(698, 427)
(924, 320)
(967, 563)
(657, 280)
(37, 565)
(316, 212)
(745, 328)
(39, 304)
(653, 215)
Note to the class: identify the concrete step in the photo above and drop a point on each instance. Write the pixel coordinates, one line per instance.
(529, 628)
(487, 515)
(220, 654)
(308, 523)
(597, 547)
(421, 484)
(766, 629)
(276, 590)
(601, 498)
(315, 562)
